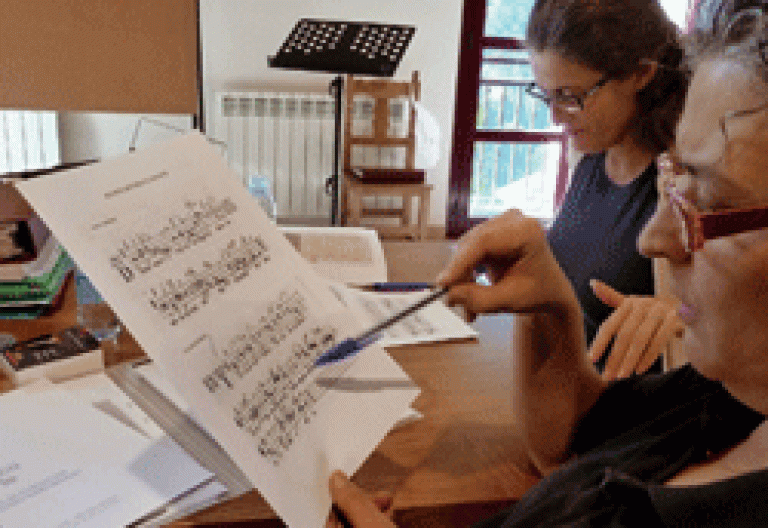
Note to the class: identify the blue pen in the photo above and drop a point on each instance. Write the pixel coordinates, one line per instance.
(350, 347)
(401, 286)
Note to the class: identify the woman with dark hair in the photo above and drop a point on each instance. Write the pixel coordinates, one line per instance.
(611, 72)
(687, 448)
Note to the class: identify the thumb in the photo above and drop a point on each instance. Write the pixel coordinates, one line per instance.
(358, 507)
(606, 294)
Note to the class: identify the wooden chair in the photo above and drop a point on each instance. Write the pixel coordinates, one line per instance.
(379, 154)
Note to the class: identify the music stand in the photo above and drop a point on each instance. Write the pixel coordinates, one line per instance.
(355, 48)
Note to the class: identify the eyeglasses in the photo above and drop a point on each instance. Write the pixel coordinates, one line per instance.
(733, 115)
(697, 227)
(568, 102)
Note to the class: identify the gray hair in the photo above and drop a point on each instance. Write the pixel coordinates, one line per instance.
(733, 29)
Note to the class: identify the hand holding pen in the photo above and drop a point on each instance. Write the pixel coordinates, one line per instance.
(523, 275)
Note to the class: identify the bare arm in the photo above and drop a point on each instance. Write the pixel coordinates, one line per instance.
(555, 379)
(556, 384)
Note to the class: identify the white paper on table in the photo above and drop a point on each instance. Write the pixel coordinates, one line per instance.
(63, 462)
(352, 255)
(433, 323)
(99, 390)
(216, 295)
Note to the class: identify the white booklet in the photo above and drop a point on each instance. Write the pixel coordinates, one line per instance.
(352, 255)
(433, 323)
(216, 295)
(69, 459)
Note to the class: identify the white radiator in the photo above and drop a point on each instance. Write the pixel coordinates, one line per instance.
(286, 137)
(28, 140)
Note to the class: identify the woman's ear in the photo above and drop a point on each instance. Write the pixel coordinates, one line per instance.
(645, 72)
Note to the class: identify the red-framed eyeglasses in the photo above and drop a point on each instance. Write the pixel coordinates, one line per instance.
(698, 227)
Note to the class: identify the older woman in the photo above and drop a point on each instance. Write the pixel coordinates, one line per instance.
(686, 448)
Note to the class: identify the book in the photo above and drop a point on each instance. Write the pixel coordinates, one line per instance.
(352, 255)
(68, 353)
(40, 264)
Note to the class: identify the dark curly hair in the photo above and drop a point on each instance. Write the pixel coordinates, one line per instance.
(613, 37)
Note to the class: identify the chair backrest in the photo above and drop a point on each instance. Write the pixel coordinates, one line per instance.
(380, 123)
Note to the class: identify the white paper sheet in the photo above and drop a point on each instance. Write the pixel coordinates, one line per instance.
(432, 323)
(216, 295)
(352, 255)
(65, 463)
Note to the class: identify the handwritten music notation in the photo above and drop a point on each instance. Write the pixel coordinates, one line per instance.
(283, 401)
(256, 341)
(199, 221)
(177, 299)
(276, 405)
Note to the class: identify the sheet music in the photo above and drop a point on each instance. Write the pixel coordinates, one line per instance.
(217, 296)
(432, 323)
(351, 255)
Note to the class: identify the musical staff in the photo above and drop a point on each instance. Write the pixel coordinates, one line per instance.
(177, 299)
(284, 400)
(413, 325)
(200, 220)
(246, 349)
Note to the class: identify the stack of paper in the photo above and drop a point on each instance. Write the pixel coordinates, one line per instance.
(82, 455)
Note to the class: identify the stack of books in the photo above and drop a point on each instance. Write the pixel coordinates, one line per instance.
(33, 269)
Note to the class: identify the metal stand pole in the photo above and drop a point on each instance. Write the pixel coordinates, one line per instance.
(332, 183)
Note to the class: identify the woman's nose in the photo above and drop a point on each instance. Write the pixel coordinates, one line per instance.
(662, 235)
(559, 116)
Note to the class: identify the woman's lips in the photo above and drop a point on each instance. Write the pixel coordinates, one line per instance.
(687, 313)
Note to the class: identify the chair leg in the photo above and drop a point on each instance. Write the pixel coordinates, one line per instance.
(355, 202)
(423, 213)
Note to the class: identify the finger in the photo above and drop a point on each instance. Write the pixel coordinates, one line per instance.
(469, 254)
(622, 342)
(606, 294)
(502, 236)
(383, 501)
(518, 294)
(355, 504)
(670, 327)
(605, 334)
(644, 335)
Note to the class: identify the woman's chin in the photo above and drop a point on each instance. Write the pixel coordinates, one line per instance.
(694, 351)
(583, 144)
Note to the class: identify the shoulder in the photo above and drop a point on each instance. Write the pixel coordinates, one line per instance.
(589, 164)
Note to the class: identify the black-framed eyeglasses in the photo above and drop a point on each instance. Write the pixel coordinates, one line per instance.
(568, 102)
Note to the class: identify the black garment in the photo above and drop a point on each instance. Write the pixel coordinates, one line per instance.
(641, 432)
(595, 235)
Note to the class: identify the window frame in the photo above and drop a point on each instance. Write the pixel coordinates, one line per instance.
(465, 132)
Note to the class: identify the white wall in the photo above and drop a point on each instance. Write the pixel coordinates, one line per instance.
(239, 35)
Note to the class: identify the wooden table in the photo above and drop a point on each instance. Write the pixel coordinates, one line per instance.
(460, 463)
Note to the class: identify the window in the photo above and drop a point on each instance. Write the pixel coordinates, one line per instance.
(506, 152)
